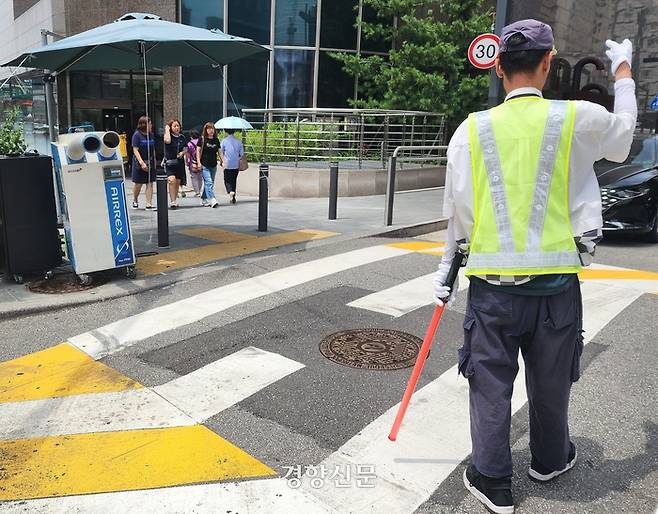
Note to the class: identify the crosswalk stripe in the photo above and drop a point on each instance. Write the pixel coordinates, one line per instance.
(260, 496)
(403, 298)
(121, 334)
(121, 461)
(215, 387)
(61, 370)
(178, 259)
(183, 401)
(435, 438)
(416, 293)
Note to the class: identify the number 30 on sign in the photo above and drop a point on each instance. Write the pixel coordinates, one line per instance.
(483, 50)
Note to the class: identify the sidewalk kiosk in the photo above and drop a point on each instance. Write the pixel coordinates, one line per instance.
(90, 185)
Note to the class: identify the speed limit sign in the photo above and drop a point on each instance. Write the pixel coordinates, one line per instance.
(483, 50)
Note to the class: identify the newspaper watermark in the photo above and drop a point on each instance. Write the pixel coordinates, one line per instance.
(361, 476)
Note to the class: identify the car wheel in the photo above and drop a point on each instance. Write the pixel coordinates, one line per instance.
(652, 237)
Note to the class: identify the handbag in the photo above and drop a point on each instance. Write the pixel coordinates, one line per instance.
(171, 163)
(244, 163)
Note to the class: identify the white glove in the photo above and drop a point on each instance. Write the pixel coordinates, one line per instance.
(442, 293)
(619, 53)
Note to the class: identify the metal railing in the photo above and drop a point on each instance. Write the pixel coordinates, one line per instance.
(416, 153)
(358, 138)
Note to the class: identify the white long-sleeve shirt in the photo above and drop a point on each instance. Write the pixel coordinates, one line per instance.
(598, 134)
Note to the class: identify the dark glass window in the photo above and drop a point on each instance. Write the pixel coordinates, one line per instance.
(154, 86)
(88, 116)
(338, 24)
(247, 82)
(293, 78)
(335, 86)
(374, 44)
(203, 13)
(295, 22)
(250, 19)
(202, 96)
(85, 85)
(116, 86)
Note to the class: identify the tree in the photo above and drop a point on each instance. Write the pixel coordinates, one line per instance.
(427, 67)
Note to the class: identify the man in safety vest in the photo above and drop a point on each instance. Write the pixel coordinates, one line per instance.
(523, 203)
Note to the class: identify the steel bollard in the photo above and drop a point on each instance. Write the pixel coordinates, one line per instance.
(163, 213)
(390, 191)
(263, 175)
(333, 189)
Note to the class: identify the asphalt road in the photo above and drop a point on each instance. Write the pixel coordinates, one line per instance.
(324, 416)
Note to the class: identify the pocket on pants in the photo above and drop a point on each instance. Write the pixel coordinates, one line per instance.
(577, 354)
(465, 364)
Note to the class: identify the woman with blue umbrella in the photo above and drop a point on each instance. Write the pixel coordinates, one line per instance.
(232, 153)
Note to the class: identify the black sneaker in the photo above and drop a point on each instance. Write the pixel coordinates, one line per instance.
(494, 493)
(543, 474)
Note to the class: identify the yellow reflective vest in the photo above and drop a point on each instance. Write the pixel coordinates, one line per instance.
(520, 160)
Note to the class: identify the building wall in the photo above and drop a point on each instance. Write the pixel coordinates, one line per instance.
(581, 27)
(20, 28)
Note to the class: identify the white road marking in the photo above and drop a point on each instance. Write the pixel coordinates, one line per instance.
(403, 298)
(435, 438)
(186, 400)
(263, 496)
(215, 387)
(124, 333)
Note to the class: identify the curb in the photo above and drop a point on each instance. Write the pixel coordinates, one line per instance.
(13, 310)
(416, 229)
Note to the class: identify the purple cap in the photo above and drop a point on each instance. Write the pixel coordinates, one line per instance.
(526, 35)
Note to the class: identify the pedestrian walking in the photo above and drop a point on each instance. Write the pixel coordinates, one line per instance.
(231, 151)
(196, 176)
(523, 203)
(143, 164)
(207, 152)
(175, 150)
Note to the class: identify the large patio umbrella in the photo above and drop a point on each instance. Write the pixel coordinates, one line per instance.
(139, 41)
(129, 41)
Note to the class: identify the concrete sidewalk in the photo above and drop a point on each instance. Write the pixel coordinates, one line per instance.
(203, 240)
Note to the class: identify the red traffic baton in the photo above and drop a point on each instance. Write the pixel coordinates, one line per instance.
(424, 349)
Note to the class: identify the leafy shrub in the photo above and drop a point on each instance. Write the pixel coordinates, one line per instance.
(11, 134)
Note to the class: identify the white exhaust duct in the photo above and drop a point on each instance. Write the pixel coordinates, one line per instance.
(109, 146)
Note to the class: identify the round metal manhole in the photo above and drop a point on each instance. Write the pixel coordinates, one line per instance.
(64, 283)
(372, 348)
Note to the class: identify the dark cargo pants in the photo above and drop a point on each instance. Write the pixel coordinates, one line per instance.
(548, 331)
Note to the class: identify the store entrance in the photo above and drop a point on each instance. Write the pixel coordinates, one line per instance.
(119, 120)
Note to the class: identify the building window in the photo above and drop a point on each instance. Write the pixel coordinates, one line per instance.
(295, 22)
(250, 19)
(335, 87)
(202, 96)
(202, 13)
(247, 83)
(86, 85)
(293, 78)
(338, 21)
(116, 86)
(374, 44)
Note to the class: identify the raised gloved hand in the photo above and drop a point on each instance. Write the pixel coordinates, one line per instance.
(619, 53)
(443, 294)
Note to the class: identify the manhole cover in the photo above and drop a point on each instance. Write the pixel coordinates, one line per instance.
(372, 348)
(63, 283)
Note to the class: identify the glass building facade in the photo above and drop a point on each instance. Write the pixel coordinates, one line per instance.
(300, 72)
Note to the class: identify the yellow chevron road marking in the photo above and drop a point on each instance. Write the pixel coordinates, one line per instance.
(208, 253)
(216, 234)
(120, 461)
(616, 274)
(58, 371)
(425, 247)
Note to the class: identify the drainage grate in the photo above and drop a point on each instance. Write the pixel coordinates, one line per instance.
(64, 283)
(372, 348)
